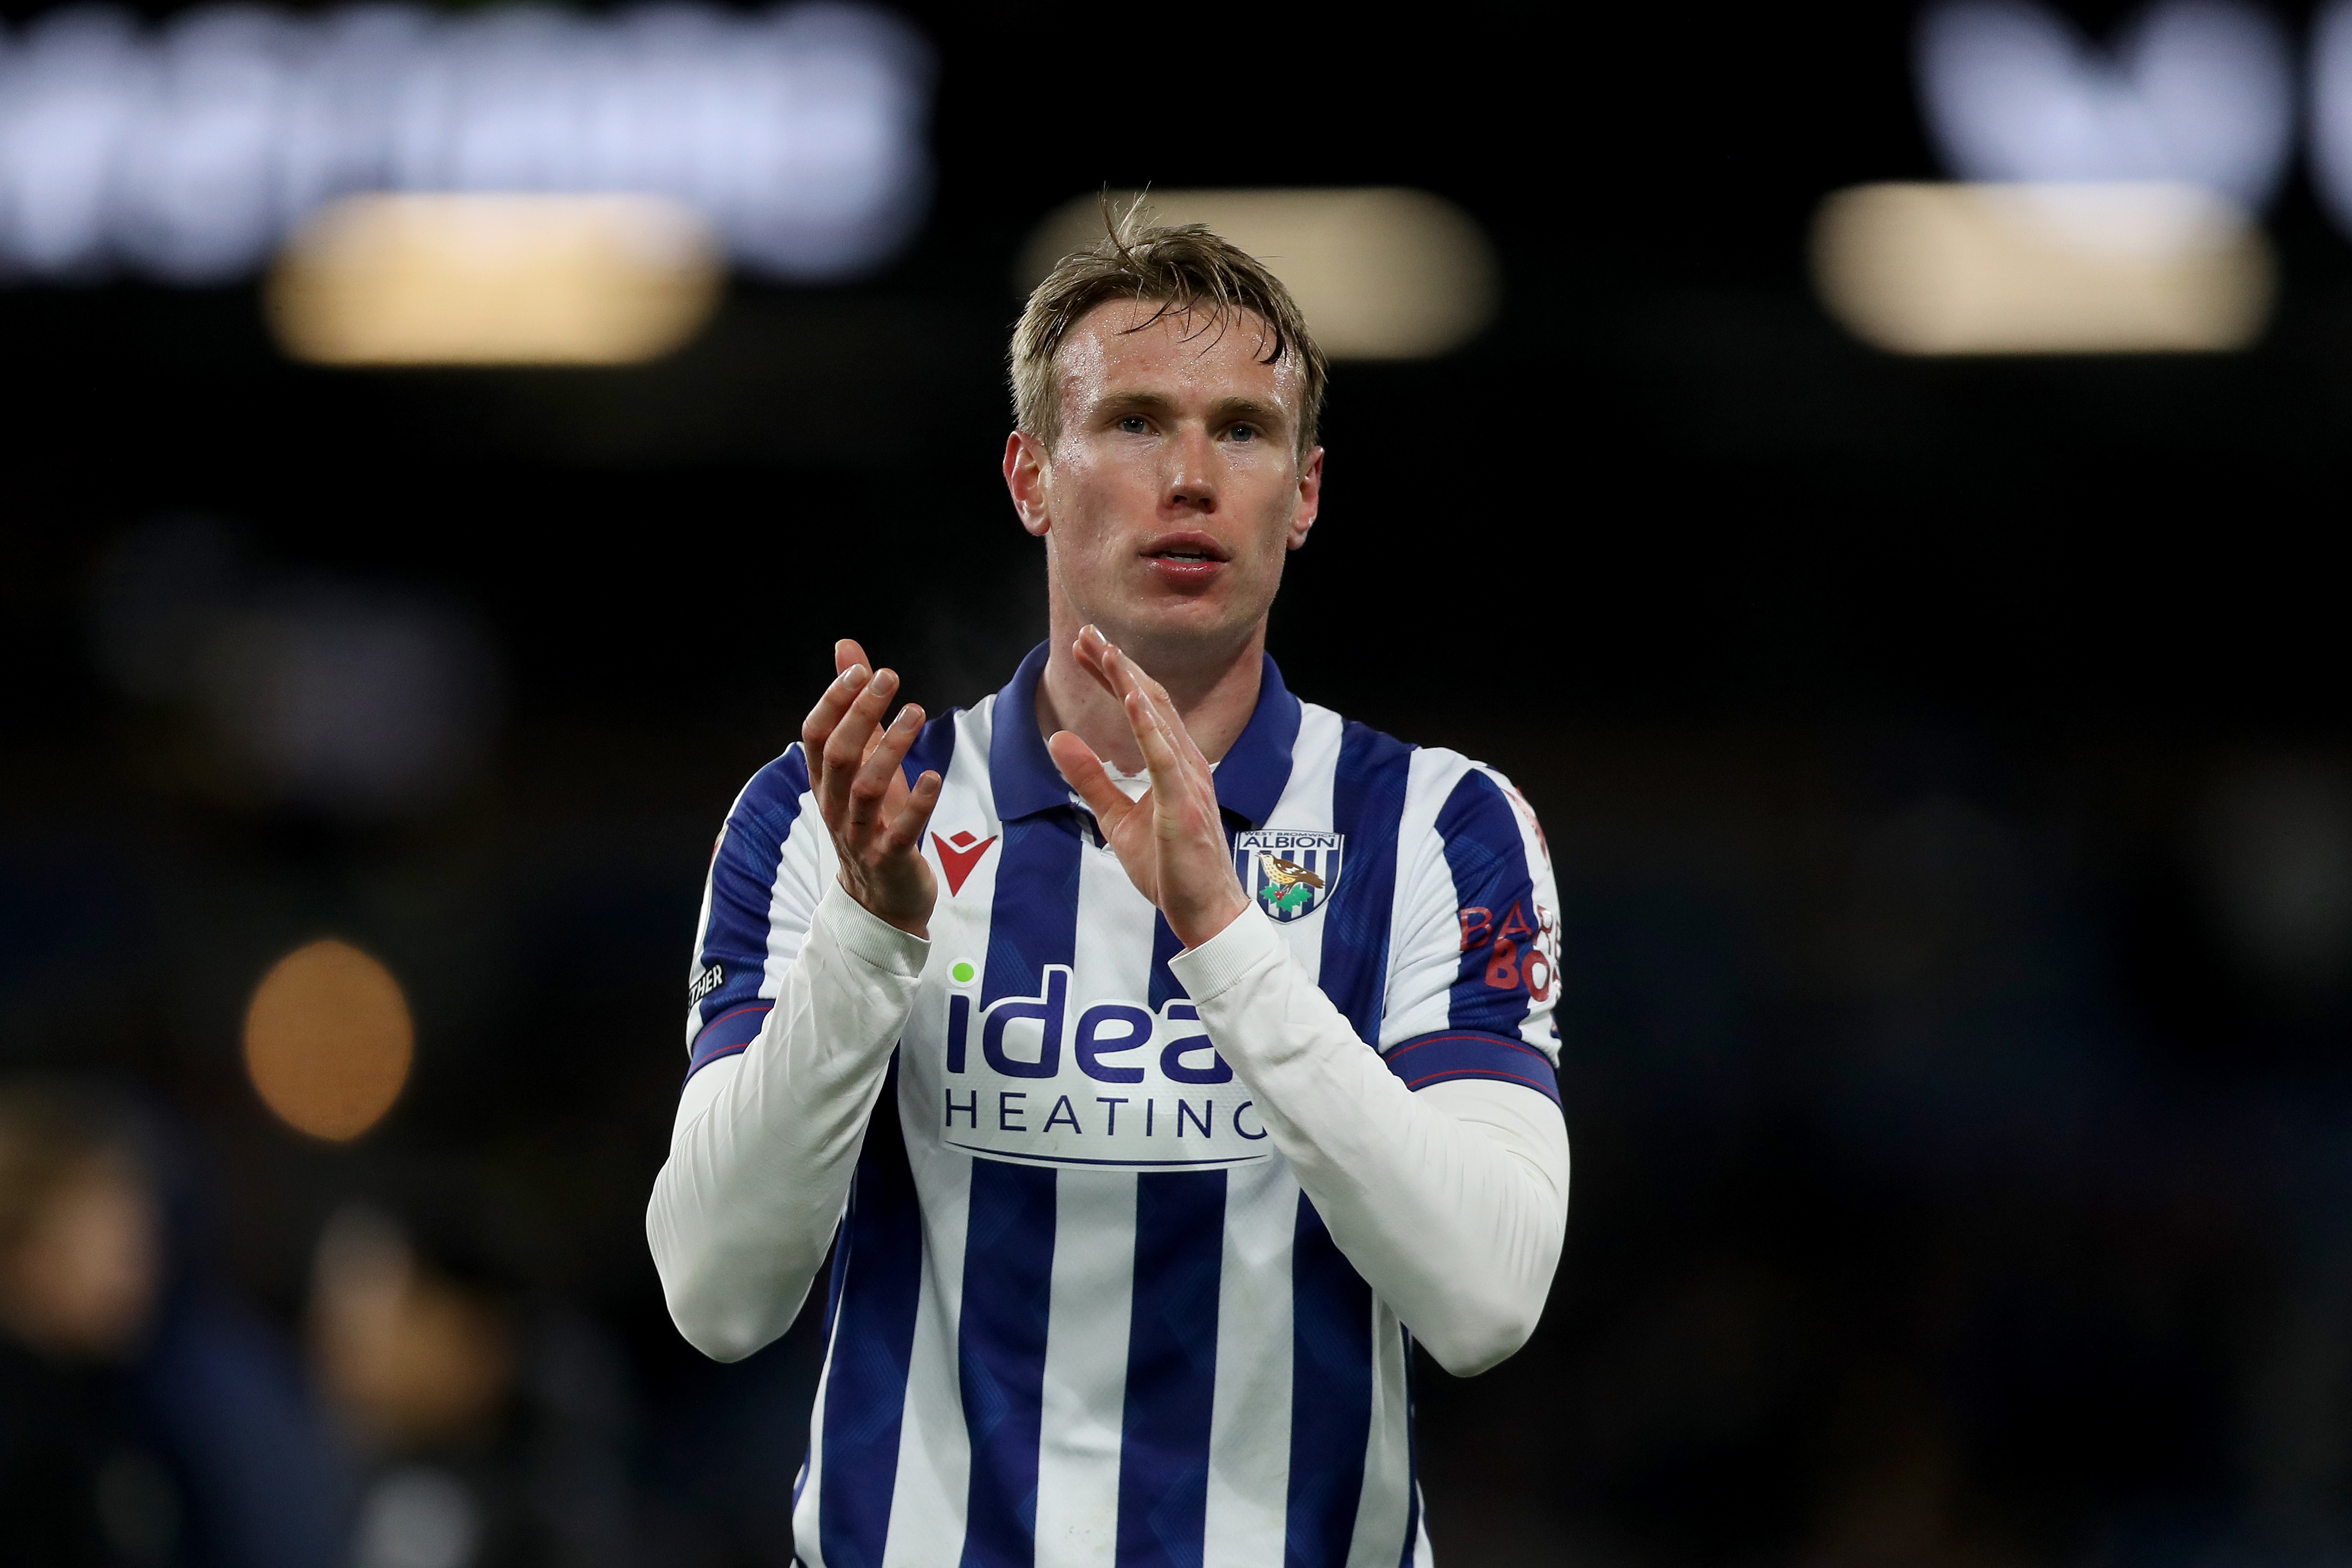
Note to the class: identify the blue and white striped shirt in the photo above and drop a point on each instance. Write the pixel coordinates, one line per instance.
(1080, 1310)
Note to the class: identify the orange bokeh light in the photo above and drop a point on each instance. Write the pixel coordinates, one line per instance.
(328, 1040)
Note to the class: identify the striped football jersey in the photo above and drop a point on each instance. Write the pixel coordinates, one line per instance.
(1080, 1311)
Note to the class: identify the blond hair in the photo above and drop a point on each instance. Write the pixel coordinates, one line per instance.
(1184, 271)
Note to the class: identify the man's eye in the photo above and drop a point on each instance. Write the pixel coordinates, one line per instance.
(1245, 433)
(1133, 424)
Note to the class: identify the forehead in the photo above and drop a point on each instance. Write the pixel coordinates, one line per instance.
(1187, 358)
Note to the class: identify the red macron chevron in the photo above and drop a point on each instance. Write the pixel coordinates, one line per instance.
(957, 856)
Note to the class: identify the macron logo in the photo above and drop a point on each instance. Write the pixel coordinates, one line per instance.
(958, 855)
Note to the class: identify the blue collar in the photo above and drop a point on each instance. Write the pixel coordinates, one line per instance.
(1249, 781)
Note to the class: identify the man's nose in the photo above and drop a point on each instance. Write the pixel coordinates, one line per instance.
(1191, 485)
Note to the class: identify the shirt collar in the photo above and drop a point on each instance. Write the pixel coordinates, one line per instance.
(1249, 779)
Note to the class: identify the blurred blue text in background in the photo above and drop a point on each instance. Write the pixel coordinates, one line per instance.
(1869, 473)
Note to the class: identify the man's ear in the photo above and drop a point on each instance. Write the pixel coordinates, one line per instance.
(1310, 497)
(1025, 469)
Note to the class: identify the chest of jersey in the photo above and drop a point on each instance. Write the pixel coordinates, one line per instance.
(1047, 1027)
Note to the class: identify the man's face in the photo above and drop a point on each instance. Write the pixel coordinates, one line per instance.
(1175, 488)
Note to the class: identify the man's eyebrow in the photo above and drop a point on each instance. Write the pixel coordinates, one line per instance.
(1157, 403)
(1255, 408)
(1139, 401)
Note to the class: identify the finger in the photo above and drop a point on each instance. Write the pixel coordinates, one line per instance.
(1092, 647)
(906, 832)
(1160, 756)
(1153, 718)
(849, 649)
(846, 748)
(1085, 774)
(872, 784)
(871, 742)
(818, 728)
(1190, 759)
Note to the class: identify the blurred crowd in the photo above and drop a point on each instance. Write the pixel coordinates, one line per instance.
(432, 1416)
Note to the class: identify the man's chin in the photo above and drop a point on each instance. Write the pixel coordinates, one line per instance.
(1178, 627)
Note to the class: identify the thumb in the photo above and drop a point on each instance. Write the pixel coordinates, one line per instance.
(1085, 773)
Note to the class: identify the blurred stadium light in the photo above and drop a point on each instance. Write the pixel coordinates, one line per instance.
(2109, 196)
(189, 153)
(2020, 269)
(328, 1040)
(1381, 273)
(2198, 91)
(2331, 110)
(484, 279)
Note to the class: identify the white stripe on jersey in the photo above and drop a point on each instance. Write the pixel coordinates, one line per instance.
(1305, 804)
(927, 1500)
(934, 1480)
(1086, 1369)
(1423, 949)
(1249, 1436)
(1386, 1505)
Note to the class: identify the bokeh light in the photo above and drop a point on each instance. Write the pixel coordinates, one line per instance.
(2197, 91)
(187, 149)
(2042, 269)
(327, 1040)
(1380, 274)
(495, 279)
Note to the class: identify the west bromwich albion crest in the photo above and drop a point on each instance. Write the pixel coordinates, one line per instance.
(1286, 872)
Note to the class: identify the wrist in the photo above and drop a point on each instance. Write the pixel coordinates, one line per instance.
(918, 925)
(1207, 924)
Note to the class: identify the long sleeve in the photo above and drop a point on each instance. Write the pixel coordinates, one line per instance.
(1451, 1202)
(766, 1141)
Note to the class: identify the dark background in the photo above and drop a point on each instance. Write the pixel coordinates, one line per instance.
(1955, 1182)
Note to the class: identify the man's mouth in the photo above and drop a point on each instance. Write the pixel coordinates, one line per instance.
(1190, 548)
(1186, 560)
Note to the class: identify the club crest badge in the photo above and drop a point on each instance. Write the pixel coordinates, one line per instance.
(1288, 873)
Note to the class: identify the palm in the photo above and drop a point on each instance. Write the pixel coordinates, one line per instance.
(857, 773)
(1172, 841)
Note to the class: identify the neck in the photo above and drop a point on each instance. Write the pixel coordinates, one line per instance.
(1214, 691)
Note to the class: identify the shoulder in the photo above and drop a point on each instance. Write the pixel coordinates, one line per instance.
(771, 801)
(1415, 791)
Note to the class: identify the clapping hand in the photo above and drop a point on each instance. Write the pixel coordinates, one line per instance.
(854, 766)
(1173, 840)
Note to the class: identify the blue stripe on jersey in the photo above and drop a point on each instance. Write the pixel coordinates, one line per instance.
(1251, 775)
(933, 751)
(727, 1034)
(1009, 1232)
(1164, 946)
(1033, 919)
(1437, 1058)
(1020, 771)
(1008, 1288)
(877, 1276)
(1412, 1450)
(1172, 1369)
(1330, 1396)
(1496, 898)
(1367, 804)
(743, 880)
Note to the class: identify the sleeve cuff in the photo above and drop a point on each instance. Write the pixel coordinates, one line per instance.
(1214, 967)
(1459, 1054)
(865, 936)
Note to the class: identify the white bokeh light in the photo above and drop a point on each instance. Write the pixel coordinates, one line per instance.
(188, 152)
(2194, 91)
